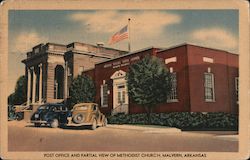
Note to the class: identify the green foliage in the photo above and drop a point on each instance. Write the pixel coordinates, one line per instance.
(182, 120)
(82, 89)
(19, 96)
(149, 83)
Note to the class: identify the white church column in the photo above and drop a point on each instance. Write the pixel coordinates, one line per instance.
(34, 86)
(40, 82)
(66, 80)
(28, 86)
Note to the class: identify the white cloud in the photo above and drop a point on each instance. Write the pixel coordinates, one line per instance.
(144, 23)
(216, 38)
(26, 40)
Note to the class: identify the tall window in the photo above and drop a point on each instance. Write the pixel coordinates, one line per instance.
(173, 94)
(237, 88)
(59, 82)
(209, 87)
(121, 94)
(104, 95)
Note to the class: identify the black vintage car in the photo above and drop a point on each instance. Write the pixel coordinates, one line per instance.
(50, 114)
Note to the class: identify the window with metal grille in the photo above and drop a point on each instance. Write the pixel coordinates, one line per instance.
(104, 95)
(172, 97)
(209, 87)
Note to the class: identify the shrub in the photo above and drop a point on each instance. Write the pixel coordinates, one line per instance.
(182, 120)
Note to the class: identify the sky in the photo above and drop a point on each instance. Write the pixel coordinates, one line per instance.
(160, 28)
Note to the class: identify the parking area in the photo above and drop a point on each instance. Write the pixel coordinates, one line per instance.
(23, 136)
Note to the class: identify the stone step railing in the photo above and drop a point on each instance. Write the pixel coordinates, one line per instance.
(123, 108)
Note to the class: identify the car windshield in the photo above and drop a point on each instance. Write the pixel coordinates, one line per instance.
(43, 107)
(81, 108)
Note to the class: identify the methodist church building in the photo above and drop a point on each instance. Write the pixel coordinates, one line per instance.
(203, 79)
(51, 67)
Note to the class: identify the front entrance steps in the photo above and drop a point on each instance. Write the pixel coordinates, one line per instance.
(120, 109)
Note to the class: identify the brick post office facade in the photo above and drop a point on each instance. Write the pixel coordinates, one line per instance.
(203, 79)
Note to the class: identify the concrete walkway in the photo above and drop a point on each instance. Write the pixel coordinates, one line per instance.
(145, 128)
(229, 137)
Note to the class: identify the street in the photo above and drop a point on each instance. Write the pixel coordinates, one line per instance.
(25, 137)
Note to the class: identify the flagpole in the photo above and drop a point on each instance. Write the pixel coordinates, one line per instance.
(129, 49)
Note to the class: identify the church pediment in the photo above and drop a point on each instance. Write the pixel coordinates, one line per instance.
(118, 74)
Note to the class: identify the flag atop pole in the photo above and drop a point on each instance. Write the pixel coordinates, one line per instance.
(120, 35)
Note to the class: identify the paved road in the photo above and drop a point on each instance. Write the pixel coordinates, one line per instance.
(25, 137)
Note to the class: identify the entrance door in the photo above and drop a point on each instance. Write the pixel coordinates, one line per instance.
(120, 94)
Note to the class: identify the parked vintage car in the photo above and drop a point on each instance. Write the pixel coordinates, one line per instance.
(86, 114)
(50, 114)
(17, 111)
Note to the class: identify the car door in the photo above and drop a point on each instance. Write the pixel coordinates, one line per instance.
(63, 114)
(94, 112)
(52, 112)
(98, 115)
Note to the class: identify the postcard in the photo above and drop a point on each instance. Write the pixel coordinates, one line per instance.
(124, 79)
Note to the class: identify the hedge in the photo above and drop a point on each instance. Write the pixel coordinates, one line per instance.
(182, 120)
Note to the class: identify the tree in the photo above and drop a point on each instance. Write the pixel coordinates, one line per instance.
(19, 96)
(82, 89)
(149, 83)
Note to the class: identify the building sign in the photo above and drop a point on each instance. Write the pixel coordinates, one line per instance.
(121, 63)
(169, 60)
(209, 60)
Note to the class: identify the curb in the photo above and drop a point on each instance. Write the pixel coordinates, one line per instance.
(228, 137)
(146, 129)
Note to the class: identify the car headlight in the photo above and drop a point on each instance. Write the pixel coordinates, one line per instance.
(36, 115)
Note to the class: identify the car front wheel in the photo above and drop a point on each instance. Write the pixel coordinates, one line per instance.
(93, 127)
(54, 123)
(105, 122)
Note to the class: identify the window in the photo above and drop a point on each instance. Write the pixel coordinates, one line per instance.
(55, 89)
(104, 95)
(120, 87)
(94, 107)
(121, 97)
(173, 94)
(209, 87)
(237, 88)
(121, 94)
(80, 70)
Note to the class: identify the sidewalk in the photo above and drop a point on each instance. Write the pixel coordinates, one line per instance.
(145, 128)
(229, 137)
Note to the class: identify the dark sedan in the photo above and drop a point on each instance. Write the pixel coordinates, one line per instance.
(50, 114)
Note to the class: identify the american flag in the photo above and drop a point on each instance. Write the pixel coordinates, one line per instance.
(118, 36)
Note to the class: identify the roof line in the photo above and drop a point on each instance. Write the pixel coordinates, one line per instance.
(140, 50)
(191, 44)
(56, 44)
(98, 46)
(86, 53)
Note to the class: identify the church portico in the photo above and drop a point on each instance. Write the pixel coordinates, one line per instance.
(34, 84)
(50, 69)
